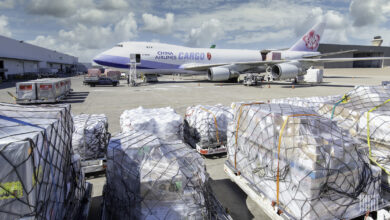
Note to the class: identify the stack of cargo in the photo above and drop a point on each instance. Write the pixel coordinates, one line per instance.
(205, 127)
(39, 178)
(314, 103)
(162, 122)
(305, 163)
(362, 111)
(90, 136)
(150, 178)
(42, 90)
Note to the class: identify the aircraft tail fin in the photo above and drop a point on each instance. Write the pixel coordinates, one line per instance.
(311, 40)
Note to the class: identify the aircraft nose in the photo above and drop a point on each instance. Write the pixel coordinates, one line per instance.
(98, 59)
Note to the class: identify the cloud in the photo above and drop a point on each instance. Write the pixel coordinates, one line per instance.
(366, 12)
(7, 4)
(126, 28)
(114, 4)
(56, 8)
(86, 41)
(258, 37)
(209, 32)
(158, 25)
(90, 16)
(4, 26)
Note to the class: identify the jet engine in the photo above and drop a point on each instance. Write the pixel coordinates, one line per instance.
(286, 70)
(221, 74)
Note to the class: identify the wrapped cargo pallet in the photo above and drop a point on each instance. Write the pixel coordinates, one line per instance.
(314, 103)
(148, 178)
(38, 179)
(162, 122)
(206, 126)
(90, 136)
(303, 162)
(365, 113)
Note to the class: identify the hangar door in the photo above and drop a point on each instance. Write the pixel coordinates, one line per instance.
(368, 63)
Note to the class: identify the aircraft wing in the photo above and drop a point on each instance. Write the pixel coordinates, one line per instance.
(329, 54)
(204, 67)
(200, 67)
(335, 60)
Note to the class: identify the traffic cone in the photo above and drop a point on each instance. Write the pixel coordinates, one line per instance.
(293, 86)
(269, 86)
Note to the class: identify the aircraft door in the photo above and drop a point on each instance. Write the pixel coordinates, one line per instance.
(135, 57)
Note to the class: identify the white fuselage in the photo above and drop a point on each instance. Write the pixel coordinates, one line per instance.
(159, 58)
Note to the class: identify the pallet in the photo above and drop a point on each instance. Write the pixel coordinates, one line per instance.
(94, 165)
(40, 101)
(277, 213)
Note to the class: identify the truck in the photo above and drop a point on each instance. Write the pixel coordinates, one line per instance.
(95, 80)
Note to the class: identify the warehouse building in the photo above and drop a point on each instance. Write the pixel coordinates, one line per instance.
(18, 58)
(374, 50)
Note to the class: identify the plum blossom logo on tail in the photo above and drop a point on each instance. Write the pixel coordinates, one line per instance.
(312, 40)
(208, 55)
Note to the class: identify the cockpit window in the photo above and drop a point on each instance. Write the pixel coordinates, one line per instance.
(119, 45)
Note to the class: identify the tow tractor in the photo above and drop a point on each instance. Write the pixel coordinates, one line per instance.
(252, 79)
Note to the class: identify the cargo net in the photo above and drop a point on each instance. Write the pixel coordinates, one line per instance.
(165, 123)
(304, 163)
(206, 126)
(151, 179)
(365, 113)
(90, 136)
(315, 102)
(39, 178)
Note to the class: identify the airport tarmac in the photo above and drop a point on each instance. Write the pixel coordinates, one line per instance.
(181, 92)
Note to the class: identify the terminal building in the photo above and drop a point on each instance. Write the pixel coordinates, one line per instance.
(374, 50)
(18, 58)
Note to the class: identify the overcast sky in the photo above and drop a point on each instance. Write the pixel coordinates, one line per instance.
(84, 28)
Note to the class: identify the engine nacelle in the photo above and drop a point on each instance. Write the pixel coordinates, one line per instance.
(221, 74)
(286, 70)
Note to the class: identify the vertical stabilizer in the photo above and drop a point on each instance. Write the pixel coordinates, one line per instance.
(311, 40)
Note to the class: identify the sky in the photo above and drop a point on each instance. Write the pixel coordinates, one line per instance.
(84, 28)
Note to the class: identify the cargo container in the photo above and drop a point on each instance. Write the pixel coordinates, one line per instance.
(113, 74)
(42, 90)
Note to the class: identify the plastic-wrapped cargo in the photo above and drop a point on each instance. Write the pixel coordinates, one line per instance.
(304, 162)
(37, 179)
(365, 110)
(350, 111)
(206, 126)
(314, 75)
(149, 178)
(315, 102)
(162, 122)
(90, 136)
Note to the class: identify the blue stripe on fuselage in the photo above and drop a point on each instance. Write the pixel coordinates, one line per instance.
(122, 62)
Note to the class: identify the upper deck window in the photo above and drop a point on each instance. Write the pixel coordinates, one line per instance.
(119, 45)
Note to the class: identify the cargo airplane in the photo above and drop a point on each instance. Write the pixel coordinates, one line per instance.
(224, 64)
